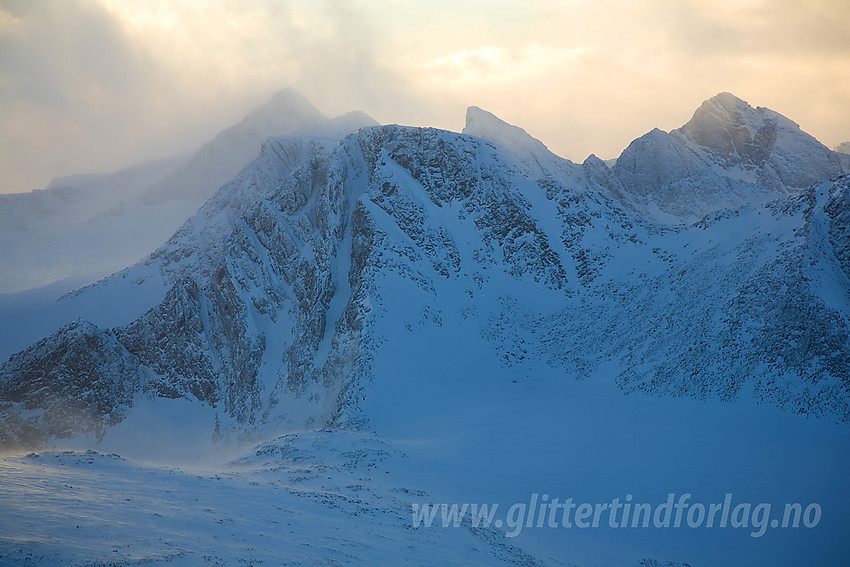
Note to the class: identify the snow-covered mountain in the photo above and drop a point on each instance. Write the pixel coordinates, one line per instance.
(275, 289)
(764, 146)
(472, 299)
(728, 155)
(843, 148)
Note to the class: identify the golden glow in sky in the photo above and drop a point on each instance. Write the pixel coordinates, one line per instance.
(93, 85)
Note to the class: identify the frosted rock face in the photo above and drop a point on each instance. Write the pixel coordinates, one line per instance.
(80, 380)
(837, 209)
(666, 180)
(656, 165)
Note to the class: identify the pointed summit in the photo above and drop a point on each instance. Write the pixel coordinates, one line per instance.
(487, 125)
(727, 102)
(220, 159)
(765, 146)
(733, 130)
(286, 111)
(516, 141)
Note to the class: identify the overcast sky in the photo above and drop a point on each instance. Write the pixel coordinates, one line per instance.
(94, 85)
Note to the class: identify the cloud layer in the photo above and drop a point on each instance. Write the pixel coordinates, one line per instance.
(92, 85)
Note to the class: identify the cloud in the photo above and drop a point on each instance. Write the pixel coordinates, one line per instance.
(594, 75)
(766, 28)
(72, 84)
(91, 85)
(98, 84)
(493, 64)
(63, 54)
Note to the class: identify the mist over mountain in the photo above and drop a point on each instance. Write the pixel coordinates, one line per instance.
(220, 159)
(83, 228)
(433, 287)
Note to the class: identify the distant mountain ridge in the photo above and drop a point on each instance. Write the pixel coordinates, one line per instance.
(728, 155)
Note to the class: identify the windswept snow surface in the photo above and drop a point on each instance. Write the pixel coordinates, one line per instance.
(282, 506)
(342, 497)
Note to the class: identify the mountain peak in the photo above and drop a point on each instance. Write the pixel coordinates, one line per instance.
(735, 132)
(516, 141)
(760, 143)
(727, 101)
(721, 111)
(483, 124)
(286, 102)
(487, 125)
(476, 114)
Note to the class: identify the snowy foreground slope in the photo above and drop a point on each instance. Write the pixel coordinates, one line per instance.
(433, 317)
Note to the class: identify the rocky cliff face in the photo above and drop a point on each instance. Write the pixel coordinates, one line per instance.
(279, 290)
